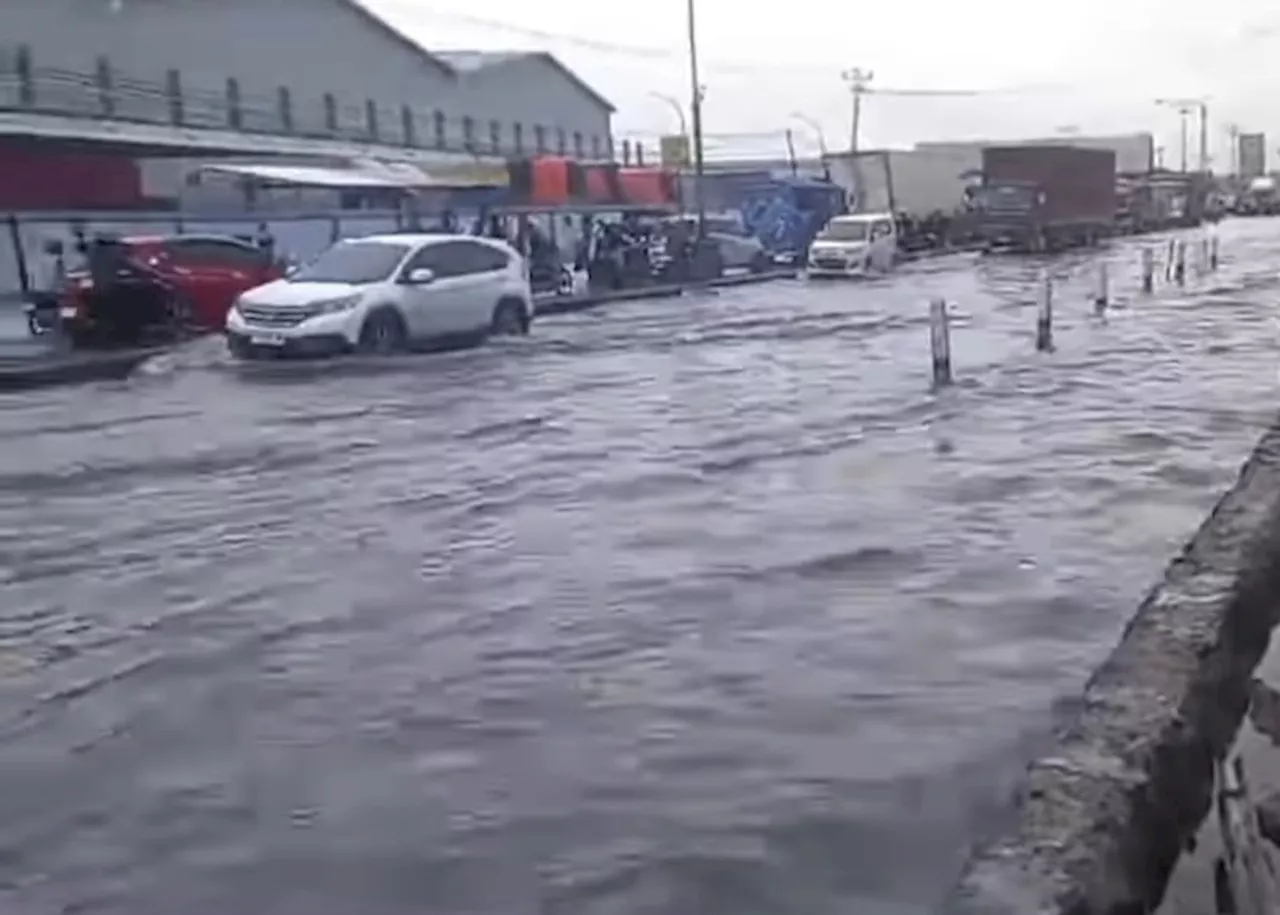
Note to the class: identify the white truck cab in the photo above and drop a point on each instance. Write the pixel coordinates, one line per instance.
(855, 245)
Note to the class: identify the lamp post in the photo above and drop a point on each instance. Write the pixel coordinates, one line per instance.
(677, 108)
(684, 132)
(818, 132)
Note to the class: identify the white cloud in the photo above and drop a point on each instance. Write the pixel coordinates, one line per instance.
(1109, 59)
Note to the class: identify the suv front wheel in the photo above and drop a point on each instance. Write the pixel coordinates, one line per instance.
(509, 319)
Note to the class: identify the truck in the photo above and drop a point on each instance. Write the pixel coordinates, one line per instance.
(1045, 198)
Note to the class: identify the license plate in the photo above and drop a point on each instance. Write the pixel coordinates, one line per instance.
(267, 339)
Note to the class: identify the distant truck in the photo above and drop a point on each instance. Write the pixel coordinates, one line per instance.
(1045, 198)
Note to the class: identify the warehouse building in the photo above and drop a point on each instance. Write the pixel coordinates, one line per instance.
(317, 71)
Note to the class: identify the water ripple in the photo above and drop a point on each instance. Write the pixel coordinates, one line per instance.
(704, 604)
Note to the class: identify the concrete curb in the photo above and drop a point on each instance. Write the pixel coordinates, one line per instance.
(572, 304)
(1104, 816)
(42, 371)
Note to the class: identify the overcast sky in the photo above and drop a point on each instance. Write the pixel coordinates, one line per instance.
(1095, 66)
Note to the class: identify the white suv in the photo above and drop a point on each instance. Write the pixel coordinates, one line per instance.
(387, 293)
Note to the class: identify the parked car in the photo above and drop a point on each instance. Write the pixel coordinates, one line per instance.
(387, 293)
(737, 250)
(136, 287)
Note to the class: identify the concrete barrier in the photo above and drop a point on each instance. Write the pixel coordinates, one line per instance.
(1103, 817)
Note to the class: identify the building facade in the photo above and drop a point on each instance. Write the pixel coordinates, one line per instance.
(317, 68)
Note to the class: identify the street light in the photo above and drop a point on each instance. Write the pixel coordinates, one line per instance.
(817, 130)
(1185, 108)
(677, 108)
(822, 140)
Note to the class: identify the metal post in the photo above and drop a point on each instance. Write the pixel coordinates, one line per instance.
(1180, 263)
(940, 342)
(1204, 136)
(1148, 271)
(1102, 298)
(19, 255)
(1044, 316)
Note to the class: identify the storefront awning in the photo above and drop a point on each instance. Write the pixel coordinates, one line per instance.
(370, 174)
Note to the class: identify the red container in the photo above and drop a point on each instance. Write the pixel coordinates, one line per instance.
(47, 178)
(647, 186)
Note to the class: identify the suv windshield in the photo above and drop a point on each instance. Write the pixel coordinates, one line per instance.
(845, 231)
(353, 262)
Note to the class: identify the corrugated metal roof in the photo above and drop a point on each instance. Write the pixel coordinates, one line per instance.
(464, 62)
(470, 61)
(461, 62)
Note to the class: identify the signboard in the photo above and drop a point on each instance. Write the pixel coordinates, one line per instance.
(674, 151)
(1253, 155)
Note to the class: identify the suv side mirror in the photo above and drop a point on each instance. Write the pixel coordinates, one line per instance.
(420, 276)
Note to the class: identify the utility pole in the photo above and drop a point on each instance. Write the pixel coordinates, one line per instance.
(695, 109)
(859, 80)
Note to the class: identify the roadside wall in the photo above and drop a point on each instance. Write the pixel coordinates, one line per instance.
(1104, 816)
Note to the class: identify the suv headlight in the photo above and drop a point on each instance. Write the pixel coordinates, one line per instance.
(334, 306)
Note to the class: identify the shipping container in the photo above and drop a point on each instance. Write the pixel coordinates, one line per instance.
(1046, 197)
(1135, 152)
(917, 182)
(43, 177)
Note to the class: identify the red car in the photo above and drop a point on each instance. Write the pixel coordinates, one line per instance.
(198, 276)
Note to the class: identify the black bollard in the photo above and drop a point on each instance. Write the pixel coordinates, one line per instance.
(940, 342)
(1044, 316)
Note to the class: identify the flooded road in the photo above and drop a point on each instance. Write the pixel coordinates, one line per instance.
(696, 605)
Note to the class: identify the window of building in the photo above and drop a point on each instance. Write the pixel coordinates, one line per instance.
(469, 134)
(578, 149)
(562, 142)
(595, 147)
(371, 118)
(517, 136)
(539, 138)
(495, 137)
(440, 131)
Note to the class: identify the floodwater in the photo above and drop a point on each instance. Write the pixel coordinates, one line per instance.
(696, 605)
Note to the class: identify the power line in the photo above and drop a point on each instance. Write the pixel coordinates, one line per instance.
(649, 52)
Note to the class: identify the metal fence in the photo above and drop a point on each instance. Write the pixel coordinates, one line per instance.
(107, 92)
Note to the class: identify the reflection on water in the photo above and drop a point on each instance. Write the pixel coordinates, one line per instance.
(695, 605)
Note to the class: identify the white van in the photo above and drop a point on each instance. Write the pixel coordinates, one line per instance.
(855, 245)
